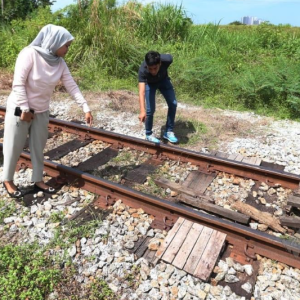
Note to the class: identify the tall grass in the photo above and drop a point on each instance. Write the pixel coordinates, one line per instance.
(246, 67)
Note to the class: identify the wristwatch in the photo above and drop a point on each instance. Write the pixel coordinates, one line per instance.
(26, 110)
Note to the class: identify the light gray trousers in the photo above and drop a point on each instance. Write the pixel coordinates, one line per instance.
(15, 134)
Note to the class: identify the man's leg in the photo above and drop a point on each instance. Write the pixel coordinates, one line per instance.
(150, 107)
(167, 90)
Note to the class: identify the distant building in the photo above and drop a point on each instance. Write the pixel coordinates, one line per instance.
(251, 20)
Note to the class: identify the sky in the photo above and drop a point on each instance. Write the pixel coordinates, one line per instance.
(227, 11)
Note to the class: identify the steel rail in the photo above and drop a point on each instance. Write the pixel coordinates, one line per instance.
(206, 163)
(246, 242)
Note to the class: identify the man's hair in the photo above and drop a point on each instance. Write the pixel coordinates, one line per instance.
(152, 58)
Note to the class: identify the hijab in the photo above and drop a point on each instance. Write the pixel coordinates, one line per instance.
(49, 40)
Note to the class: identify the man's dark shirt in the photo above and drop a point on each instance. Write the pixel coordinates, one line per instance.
(145, 76)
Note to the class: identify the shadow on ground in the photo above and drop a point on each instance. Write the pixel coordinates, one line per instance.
(183, 131)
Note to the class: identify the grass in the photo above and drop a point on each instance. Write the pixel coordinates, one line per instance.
(251, 68)
(26, 273)
(7, 209)
(32, 271)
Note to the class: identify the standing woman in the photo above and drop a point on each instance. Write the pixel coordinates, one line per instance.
(39, 68)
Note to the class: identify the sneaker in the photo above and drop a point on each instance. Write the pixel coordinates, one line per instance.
(152, 138)
(170, 136)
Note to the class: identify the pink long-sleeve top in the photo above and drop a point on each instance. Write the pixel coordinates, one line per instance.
(35, 80)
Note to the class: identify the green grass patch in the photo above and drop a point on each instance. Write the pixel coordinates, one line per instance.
(7, 209)
(26, 273)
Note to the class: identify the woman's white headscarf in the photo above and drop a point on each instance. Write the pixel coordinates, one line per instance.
(49, 40)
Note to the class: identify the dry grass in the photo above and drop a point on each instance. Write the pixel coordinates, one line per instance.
(6, 79)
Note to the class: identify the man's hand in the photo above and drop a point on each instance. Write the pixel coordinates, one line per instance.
(142, 116)
(89, 118)
(27, 116)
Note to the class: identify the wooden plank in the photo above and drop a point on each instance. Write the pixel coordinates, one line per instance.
(140, 173)
(98, 159)
(239, 157)
(198, 182)
(137, 244)
(252, 160)
(149, 255)
(293, 201)
(189, 180)
(188, 246)
(290, 221)
(143, 247)
(215, 209)
(222, 154)
(198, 250)
(161, 250)
(177, 241)
(262, 217)
(210, 255)
(247, 160)
(66, 148)
(154, 261)
(165, 183)
(232, 156)
(257, 161)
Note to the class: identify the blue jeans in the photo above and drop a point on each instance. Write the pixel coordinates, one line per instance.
(167, 90)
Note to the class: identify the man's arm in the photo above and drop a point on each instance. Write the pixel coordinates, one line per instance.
(142, 88)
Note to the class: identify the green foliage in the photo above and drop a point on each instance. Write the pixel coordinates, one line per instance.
(26, 273)
(56, 217)
(236, 23)
(163, 22)
(74, 231)
(7, 208)
(245, 67)
(20, 34)
(100, 290)
(201, 75)
(20, 9)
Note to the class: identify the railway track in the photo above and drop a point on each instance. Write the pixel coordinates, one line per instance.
(243, 241)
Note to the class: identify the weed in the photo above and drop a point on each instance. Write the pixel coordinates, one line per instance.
(7, 209)
(56, 217)
(26, 273)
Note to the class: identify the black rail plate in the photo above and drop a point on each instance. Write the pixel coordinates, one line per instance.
(66, 148)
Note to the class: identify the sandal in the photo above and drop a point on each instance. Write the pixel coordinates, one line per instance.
(49, 189)
(16, 194)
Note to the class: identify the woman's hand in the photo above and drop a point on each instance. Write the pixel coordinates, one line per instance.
(89, 118)
(27, 116)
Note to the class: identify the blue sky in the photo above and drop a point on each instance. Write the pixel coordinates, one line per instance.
(226, 11)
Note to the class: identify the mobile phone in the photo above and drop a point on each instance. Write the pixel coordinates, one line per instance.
(18, 111)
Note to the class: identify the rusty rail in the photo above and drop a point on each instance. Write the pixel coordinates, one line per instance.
(245, 241)
(206, 163)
